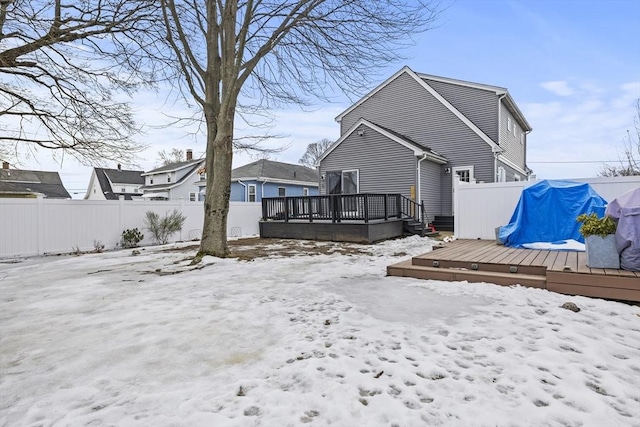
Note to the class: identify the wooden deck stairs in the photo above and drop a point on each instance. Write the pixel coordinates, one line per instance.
(484, 261)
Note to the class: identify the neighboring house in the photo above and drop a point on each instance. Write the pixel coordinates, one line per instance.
(416, 133)
(16, 183)
(175, 181)
(267, 178)
(110, 184)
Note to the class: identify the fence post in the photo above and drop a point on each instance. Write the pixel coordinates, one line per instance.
(40, 231)
(264, 209)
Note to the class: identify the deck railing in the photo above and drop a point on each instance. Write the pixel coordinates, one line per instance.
(342, 207)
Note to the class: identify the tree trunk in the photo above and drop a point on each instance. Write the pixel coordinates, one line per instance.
(216, 204)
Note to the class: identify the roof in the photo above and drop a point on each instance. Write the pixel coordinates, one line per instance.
(193, 164)
(32, 182)
(423, 78)
(277, 171)
(171, 167)
(118, 176)
(418, 149)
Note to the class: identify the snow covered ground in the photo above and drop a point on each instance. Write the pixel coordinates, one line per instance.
(116, 339)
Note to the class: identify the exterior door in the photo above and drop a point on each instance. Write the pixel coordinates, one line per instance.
(459, 174)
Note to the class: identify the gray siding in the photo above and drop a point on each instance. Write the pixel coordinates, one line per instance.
(384, 166)
(478, 105)
(514, 149)
(406, 107)
(431, 175)
(511, 173)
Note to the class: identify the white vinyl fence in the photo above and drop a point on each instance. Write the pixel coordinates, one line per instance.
(45, 226)
(480, 208)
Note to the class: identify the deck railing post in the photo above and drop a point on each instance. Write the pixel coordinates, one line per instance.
(366, 207)
(309, 209)
(399, 205)
(331, 208)
(264, 209)
(286, 209)
(386, 207)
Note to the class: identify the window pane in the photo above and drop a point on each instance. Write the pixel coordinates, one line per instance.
(350, 182)
(281, 192)
(252, 193)
(334, 182)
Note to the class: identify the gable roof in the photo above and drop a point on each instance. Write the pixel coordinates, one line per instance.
(418, 149)
(422, 79)
(194, 166)
(118, 176)
(275, 171)
(16, 181)
(172, 167)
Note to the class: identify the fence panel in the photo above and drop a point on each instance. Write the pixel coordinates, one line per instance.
(42, 226)
(480, 208)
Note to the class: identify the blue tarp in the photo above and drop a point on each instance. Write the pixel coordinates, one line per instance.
(547, 212)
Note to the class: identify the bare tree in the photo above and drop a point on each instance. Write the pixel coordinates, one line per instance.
(62, 63)
(236, 55)
(315, 150)
(174, 156)
(629, 164)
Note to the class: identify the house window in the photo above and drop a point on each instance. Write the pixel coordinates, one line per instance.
(509, 124)
(252, 193)
(150, 181)
(192, 197)
(168, 178)
(136, 190)
(502, 174)
(522, 138)
(343, 182)
(123, 190)
(305, 191)
(282, 192)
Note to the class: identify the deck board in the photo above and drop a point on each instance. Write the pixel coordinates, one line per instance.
(558, 271)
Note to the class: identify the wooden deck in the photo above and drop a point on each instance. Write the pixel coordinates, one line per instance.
(485, 261)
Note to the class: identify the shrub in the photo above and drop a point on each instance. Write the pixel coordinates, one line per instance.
(98, 246)
(162, 228)
(131, 238)
(592, 225)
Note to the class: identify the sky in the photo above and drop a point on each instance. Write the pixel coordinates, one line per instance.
(116, 339)
(573, 68)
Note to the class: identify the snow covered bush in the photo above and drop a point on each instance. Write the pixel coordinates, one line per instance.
(131, 238)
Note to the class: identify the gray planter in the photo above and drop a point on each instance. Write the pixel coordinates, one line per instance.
(602, 252)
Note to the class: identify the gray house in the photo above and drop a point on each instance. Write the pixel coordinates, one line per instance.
(416, 133)
(16, 183)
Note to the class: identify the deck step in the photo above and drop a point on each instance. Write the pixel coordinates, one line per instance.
(432, 260)
(408, 269)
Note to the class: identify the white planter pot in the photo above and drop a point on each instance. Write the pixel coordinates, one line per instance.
(602, 252)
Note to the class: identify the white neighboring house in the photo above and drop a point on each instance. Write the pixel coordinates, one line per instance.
(175, 181)
(110, 184)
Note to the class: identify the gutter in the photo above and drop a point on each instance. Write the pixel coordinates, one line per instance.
(419, 190)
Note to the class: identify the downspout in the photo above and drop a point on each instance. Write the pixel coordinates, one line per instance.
(246, 194)
(495, 155)
(419, 192)
(262, 188)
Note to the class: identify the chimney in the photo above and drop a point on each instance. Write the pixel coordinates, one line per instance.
(5, 165)
(189, 155)
(119, 167)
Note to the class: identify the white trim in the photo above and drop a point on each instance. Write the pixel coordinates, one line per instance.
(305, 190)
(152, 172)
(255, 192)
(164, 194)
(285, 191)
(497, 89)
(434, 157)
(511, 164)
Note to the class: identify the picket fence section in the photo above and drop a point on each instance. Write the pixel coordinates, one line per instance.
(47, 226)
(480, 208)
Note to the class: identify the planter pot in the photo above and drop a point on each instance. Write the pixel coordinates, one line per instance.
(601, 252)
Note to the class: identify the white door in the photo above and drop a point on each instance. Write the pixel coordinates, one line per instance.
(459, 174)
